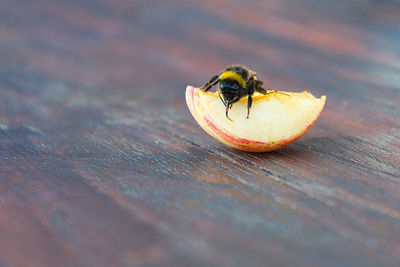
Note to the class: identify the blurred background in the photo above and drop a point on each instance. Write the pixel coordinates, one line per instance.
(103, 165)
(140, 47)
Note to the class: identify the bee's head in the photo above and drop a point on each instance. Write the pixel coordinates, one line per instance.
(232, 81)
(229, 85)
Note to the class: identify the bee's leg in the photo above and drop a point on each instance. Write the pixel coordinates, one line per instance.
(282, 93)
(261, 90)
(258, 87)
(278, 92)
(213, 81)
(249, 103)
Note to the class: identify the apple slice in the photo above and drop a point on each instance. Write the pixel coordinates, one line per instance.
(276, 120)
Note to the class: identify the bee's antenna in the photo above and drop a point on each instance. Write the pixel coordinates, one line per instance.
(220, 97)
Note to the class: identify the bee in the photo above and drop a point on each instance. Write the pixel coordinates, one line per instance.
(235, 82)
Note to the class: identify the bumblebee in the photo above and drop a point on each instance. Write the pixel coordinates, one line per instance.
(235, 82)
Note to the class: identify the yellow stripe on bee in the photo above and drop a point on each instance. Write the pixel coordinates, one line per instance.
(234, 76)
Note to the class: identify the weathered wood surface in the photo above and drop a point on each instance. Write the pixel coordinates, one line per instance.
(103, 165)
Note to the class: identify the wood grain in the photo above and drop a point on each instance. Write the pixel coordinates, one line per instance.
(101, 163)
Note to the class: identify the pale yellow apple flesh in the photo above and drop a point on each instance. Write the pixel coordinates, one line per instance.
(276, 119)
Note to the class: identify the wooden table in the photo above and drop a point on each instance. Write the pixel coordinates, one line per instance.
(103, 165)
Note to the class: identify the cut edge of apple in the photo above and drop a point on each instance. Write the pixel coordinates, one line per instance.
(221, 128)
